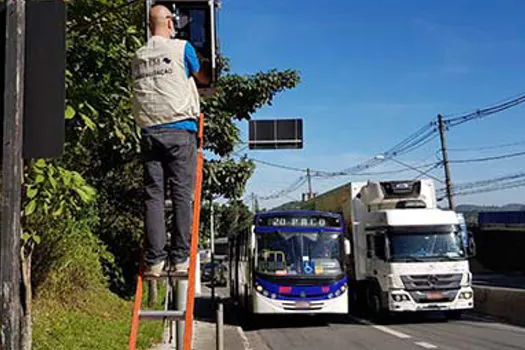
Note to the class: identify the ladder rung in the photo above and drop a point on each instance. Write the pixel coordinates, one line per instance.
(167, 274)
(161, 315)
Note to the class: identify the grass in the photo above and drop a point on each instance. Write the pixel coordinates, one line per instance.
(90, 320)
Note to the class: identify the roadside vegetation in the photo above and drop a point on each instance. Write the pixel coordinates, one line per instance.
(82, 219)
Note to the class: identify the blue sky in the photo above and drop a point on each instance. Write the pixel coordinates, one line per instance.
(373, 72)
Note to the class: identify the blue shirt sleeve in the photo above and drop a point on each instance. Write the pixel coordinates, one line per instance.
(191, 61)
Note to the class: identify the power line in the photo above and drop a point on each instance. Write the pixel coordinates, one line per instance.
(487, 182)
(486, 159)
(485, 112)
(293, 187)
(514, 184)
(414, 141)
(280, 166)
(483, 148)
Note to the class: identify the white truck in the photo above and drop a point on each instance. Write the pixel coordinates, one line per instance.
(407, 254)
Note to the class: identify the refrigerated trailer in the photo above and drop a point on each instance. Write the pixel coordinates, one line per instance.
(407, 254)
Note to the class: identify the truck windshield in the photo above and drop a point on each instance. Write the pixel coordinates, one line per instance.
(305, 254)
(418, 243)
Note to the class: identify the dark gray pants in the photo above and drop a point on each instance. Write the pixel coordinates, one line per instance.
(169, 160)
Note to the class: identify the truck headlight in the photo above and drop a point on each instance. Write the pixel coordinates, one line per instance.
(466, 295)
(400, 297)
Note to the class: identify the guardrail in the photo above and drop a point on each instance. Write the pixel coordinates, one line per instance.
(505, 303)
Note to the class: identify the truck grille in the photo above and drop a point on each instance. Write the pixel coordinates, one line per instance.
(432, 282)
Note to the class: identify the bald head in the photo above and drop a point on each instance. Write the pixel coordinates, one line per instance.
(161, 21)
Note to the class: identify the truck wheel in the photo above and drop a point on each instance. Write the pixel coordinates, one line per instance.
(374, 301)
(453, 314)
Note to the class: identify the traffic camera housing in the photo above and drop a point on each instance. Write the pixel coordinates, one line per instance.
(195, 21)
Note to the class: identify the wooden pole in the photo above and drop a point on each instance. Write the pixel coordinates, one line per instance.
(446, 165)
(12, 172)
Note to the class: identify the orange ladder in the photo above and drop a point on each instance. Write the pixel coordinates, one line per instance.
(168, 314)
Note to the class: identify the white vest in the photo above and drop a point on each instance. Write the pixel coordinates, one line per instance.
(162, 91)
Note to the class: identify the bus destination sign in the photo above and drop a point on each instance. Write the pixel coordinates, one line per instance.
(300, 221)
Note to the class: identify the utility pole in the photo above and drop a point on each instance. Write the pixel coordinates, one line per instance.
(12, 172)
(309, 176)
(212, 242)
(448, 183)
(254, 206)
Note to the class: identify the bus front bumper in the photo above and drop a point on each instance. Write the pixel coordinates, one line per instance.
(265, 305)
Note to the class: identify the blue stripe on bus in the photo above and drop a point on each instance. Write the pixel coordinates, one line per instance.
(309, 292)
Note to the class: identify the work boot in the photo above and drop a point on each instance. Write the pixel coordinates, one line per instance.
(154, 270)
(180, 267)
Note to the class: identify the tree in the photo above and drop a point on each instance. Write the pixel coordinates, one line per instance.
(102, 136)
(93, 192)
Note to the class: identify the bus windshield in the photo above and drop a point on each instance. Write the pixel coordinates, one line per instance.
(439, 243)
(305, 254)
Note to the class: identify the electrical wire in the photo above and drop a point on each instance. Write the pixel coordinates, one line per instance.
(514, 184)
(485, 112)
(293, 187)
(487, 159)
(484, 148)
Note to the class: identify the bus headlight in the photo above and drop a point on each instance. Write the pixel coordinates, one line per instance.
(259, 288)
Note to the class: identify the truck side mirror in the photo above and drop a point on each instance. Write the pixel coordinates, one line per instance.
(347, 247)
(471, 248)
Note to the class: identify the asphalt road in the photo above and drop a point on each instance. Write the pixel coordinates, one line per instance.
(347, 332)
(427, 332)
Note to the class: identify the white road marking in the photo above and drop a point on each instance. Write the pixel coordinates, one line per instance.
(384, 329)
(245, 341)
(425, 345)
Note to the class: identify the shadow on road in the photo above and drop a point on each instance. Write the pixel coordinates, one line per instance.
(235, 315)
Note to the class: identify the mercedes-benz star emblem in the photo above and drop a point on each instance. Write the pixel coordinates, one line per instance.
(432, 279)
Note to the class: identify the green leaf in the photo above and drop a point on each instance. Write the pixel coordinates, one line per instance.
(53, 182)
(41, 163)
(89, 123)
(60, 210)
(70, 113)
(30, 208)
(39, 178)
(84, 197)
(25, 236)
(37, 239)
(32, 192)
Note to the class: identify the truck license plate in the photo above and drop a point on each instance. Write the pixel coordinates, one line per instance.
(302, 304)
(434, 295)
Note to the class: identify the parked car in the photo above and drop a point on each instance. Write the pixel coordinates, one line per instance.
(220, 276)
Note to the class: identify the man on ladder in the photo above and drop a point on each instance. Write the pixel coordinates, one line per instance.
(166, 107)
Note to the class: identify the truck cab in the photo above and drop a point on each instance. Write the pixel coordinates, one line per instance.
(408, 255)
